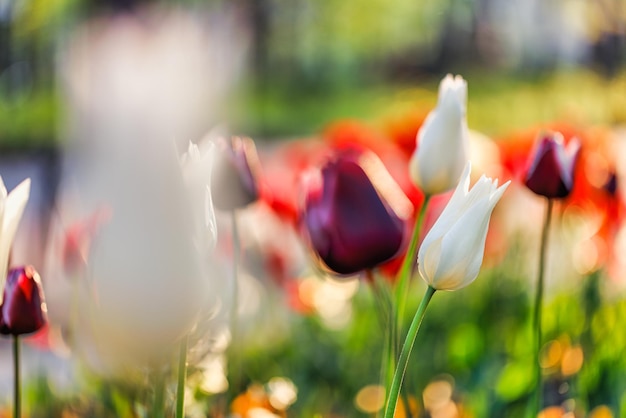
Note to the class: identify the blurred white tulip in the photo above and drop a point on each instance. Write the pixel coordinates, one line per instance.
(197, 167)
(135, 84)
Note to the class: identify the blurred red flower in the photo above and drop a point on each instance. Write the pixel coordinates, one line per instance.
(23, 310)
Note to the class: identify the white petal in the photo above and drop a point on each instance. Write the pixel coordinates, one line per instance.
(428, 258)
(209, 218)
(453, 209)
(3, 190)
(497, 194)
(3, 199)
(451, 254)
(463, 248)
(441, 154)
(443, 140)
(414, 172)
(13, 210)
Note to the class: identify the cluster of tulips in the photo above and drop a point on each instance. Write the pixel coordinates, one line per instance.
(355, 223)
(355, 215)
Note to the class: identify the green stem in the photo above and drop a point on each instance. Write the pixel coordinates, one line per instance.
(234, 309)
(384, 311)
(383, 301)
(403, 361)
(182, 377)
(17, 403)
(381, 304)
(158, 408)
(536, 404)
(397, 308)
(406, 270)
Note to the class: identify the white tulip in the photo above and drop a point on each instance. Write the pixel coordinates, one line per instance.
(452, 252)
(197, 165)
(442, 141)
(11, 210)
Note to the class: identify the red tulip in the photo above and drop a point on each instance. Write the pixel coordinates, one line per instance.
(233, 180)
(350, 225)
(551, 173)
(23, 307)
(77, 241)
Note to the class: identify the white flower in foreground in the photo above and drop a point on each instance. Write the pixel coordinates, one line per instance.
(452, 252)
(11, 209)
(442, 141)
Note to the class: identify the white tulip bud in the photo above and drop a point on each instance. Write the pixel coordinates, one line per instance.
(442, 141)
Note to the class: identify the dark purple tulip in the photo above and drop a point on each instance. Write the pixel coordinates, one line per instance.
(611, 184)
(349, 224)
(551, 173)
(233, 181)
(23, 308)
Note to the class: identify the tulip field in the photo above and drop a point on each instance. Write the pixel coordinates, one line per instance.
(238, 223)
(353, 273)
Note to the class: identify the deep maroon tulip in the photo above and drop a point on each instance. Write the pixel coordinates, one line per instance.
(23, 308)
(350, 225)
(551, 173)
(611, 184)
(233, 180)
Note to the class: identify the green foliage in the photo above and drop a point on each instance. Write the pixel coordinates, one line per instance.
(479, 338)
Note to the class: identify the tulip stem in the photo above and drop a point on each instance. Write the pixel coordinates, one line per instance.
(387, 320)
(536, 404)
(182, 377)
(381, 299)
(158, 408)
(408, 266)
(403, 361)
(17, 403)
(234, 309)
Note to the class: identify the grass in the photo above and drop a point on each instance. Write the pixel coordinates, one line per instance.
(498, 103)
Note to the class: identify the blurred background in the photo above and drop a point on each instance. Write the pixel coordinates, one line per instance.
(308, 62)
(74, 74)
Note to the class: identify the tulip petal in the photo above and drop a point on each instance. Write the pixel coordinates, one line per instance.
(463, 247)
(551, 170)
(452, 210)
(428, 259)
(441, 159)
(23, 308)
(13, 210)
(210, 222)
(442, 141)
(350, 225)
(567, 157)
(452, 252)
(197, 169)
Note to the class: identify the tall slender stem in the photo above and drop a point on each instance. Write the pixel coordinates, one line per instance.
(384, 302)
(158, 407)
(182, 377)
(380, 301)
(403, 361)
(536, 404)
(17, 400)
(234, 309)
(385, 319)
(406, 270)
(398, 305)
